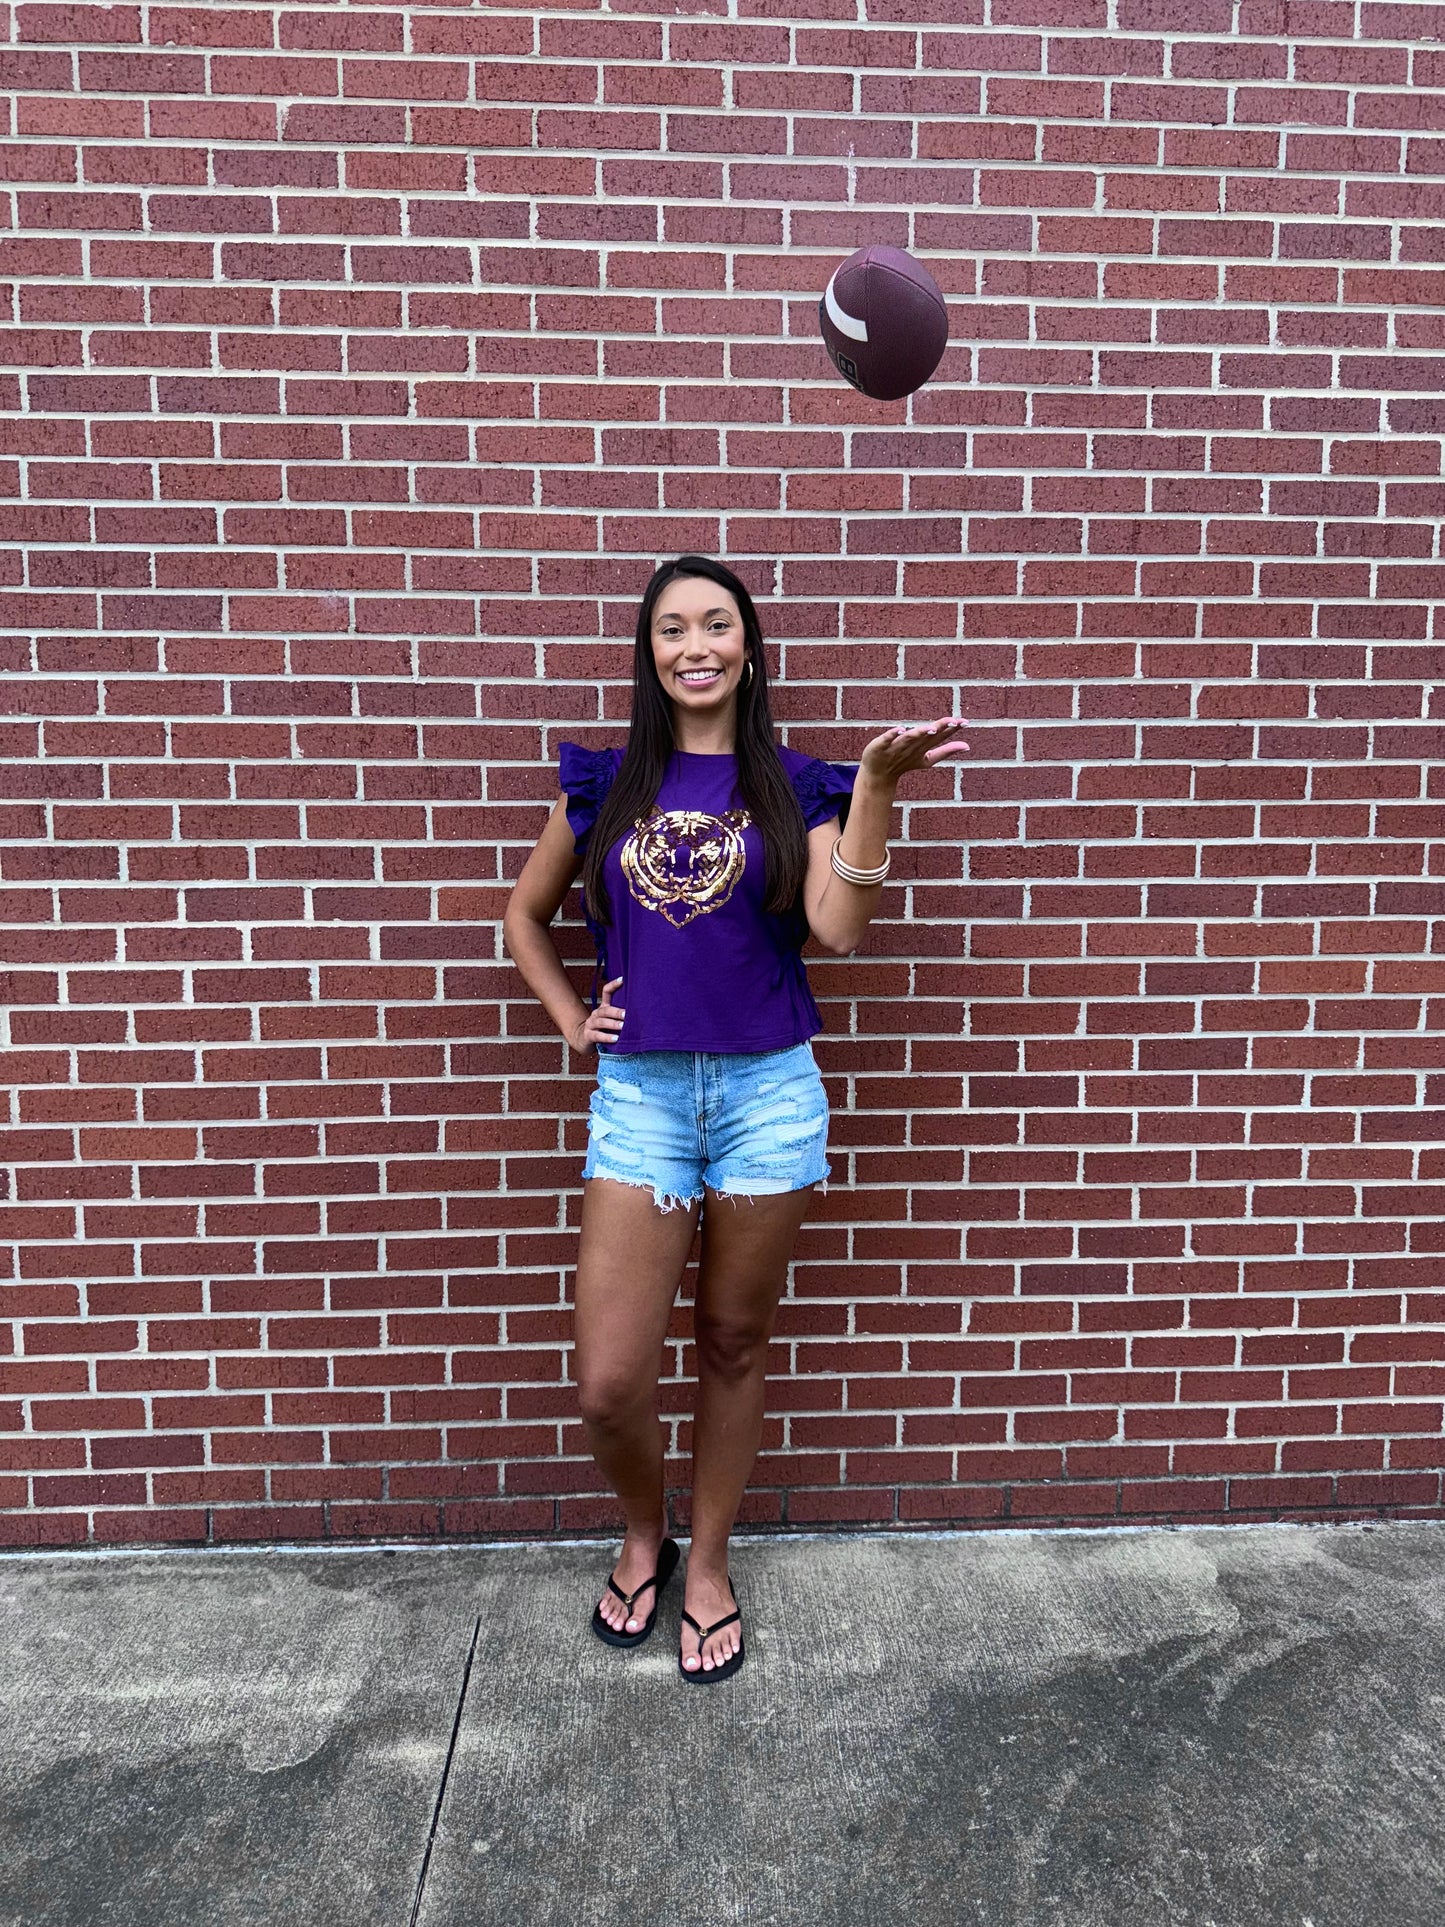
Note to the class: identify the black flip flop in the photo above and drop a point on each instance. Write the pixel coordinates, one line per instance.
(702, 1677)
(667, 1558)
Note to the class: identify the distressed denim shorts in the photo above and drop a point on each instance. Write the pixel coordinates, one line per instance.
(748, 1124)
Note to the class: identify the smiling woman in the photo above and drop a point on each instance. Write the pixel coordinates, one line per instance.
(708, 854)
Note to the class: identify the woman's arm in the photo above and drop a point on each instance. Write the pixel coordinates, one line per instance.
(537, 896)
(840, 912)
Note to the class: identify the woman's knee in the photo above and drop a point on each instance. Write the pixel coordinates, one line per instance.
(730, 1349)
(614, 1404)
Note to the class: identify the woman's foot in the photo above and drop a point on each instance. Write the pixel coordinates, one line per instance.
(637, 1564)
(709, 1599)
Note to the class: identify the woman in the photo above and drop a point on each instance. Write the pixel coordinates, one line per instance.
(708, 855)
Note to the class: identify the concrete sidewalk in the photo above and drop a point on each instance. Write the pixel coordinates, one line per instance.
(1154, 1728)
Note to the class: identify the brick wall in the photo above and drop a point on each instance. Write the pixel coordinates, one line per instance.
(364, 360)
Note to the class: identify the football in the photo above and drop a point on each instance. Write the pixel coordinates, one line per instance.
(884, 322)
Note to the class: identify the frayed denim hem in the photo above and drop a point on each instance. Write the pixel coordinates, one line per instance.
(769, 1191)
(664, 1200)
(674, 1200)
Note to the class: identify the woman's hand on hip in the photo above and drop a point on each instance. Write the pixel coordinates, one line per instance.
(917, 746)
(599, 1026)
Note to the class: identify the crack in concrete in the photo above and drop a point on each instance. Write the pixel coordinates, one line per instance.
(446, 1770)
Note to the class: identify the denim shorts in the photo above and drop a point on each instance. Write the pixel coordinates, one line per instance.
(749, 1124)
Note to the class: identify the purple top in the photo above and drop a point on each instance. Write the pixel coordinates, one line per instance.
(705, 966)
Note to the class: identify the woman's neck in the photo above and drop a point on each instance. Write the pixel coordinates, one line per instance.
(704, 735)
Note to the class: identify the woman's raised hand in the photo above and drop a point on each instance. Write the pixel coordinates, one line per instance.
(918, 746)
(600, 1026)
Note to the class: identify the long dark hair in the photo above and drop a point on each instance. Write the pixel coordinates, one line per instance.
(761, 778)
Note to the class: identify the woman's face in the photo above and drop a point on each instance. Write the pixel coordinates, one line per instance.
(698, 644)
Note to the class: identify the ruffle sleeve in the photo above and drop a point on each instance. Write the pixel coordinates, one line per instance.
(586, 776)
(824, 790)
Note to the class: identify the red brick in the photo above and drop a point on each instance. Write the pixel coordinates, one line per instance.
(436, 487)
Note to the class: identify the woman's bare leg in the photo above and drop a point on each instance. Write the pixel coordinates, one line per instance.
(629, 1264)
(747, 1245)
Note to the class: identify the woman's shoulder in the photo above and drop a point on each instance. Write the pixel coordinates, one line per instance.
(584, 776)
(823, 789)
(581, 767)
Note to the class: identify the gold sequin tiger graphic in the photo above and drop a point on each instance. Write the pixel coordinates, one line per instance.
(683, 863)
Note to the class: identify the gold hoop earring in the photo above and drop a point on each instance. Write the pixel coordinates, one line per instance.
(748, 666)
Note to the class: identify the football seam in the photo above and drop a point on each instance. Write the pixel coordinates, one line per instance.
(882, 267)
